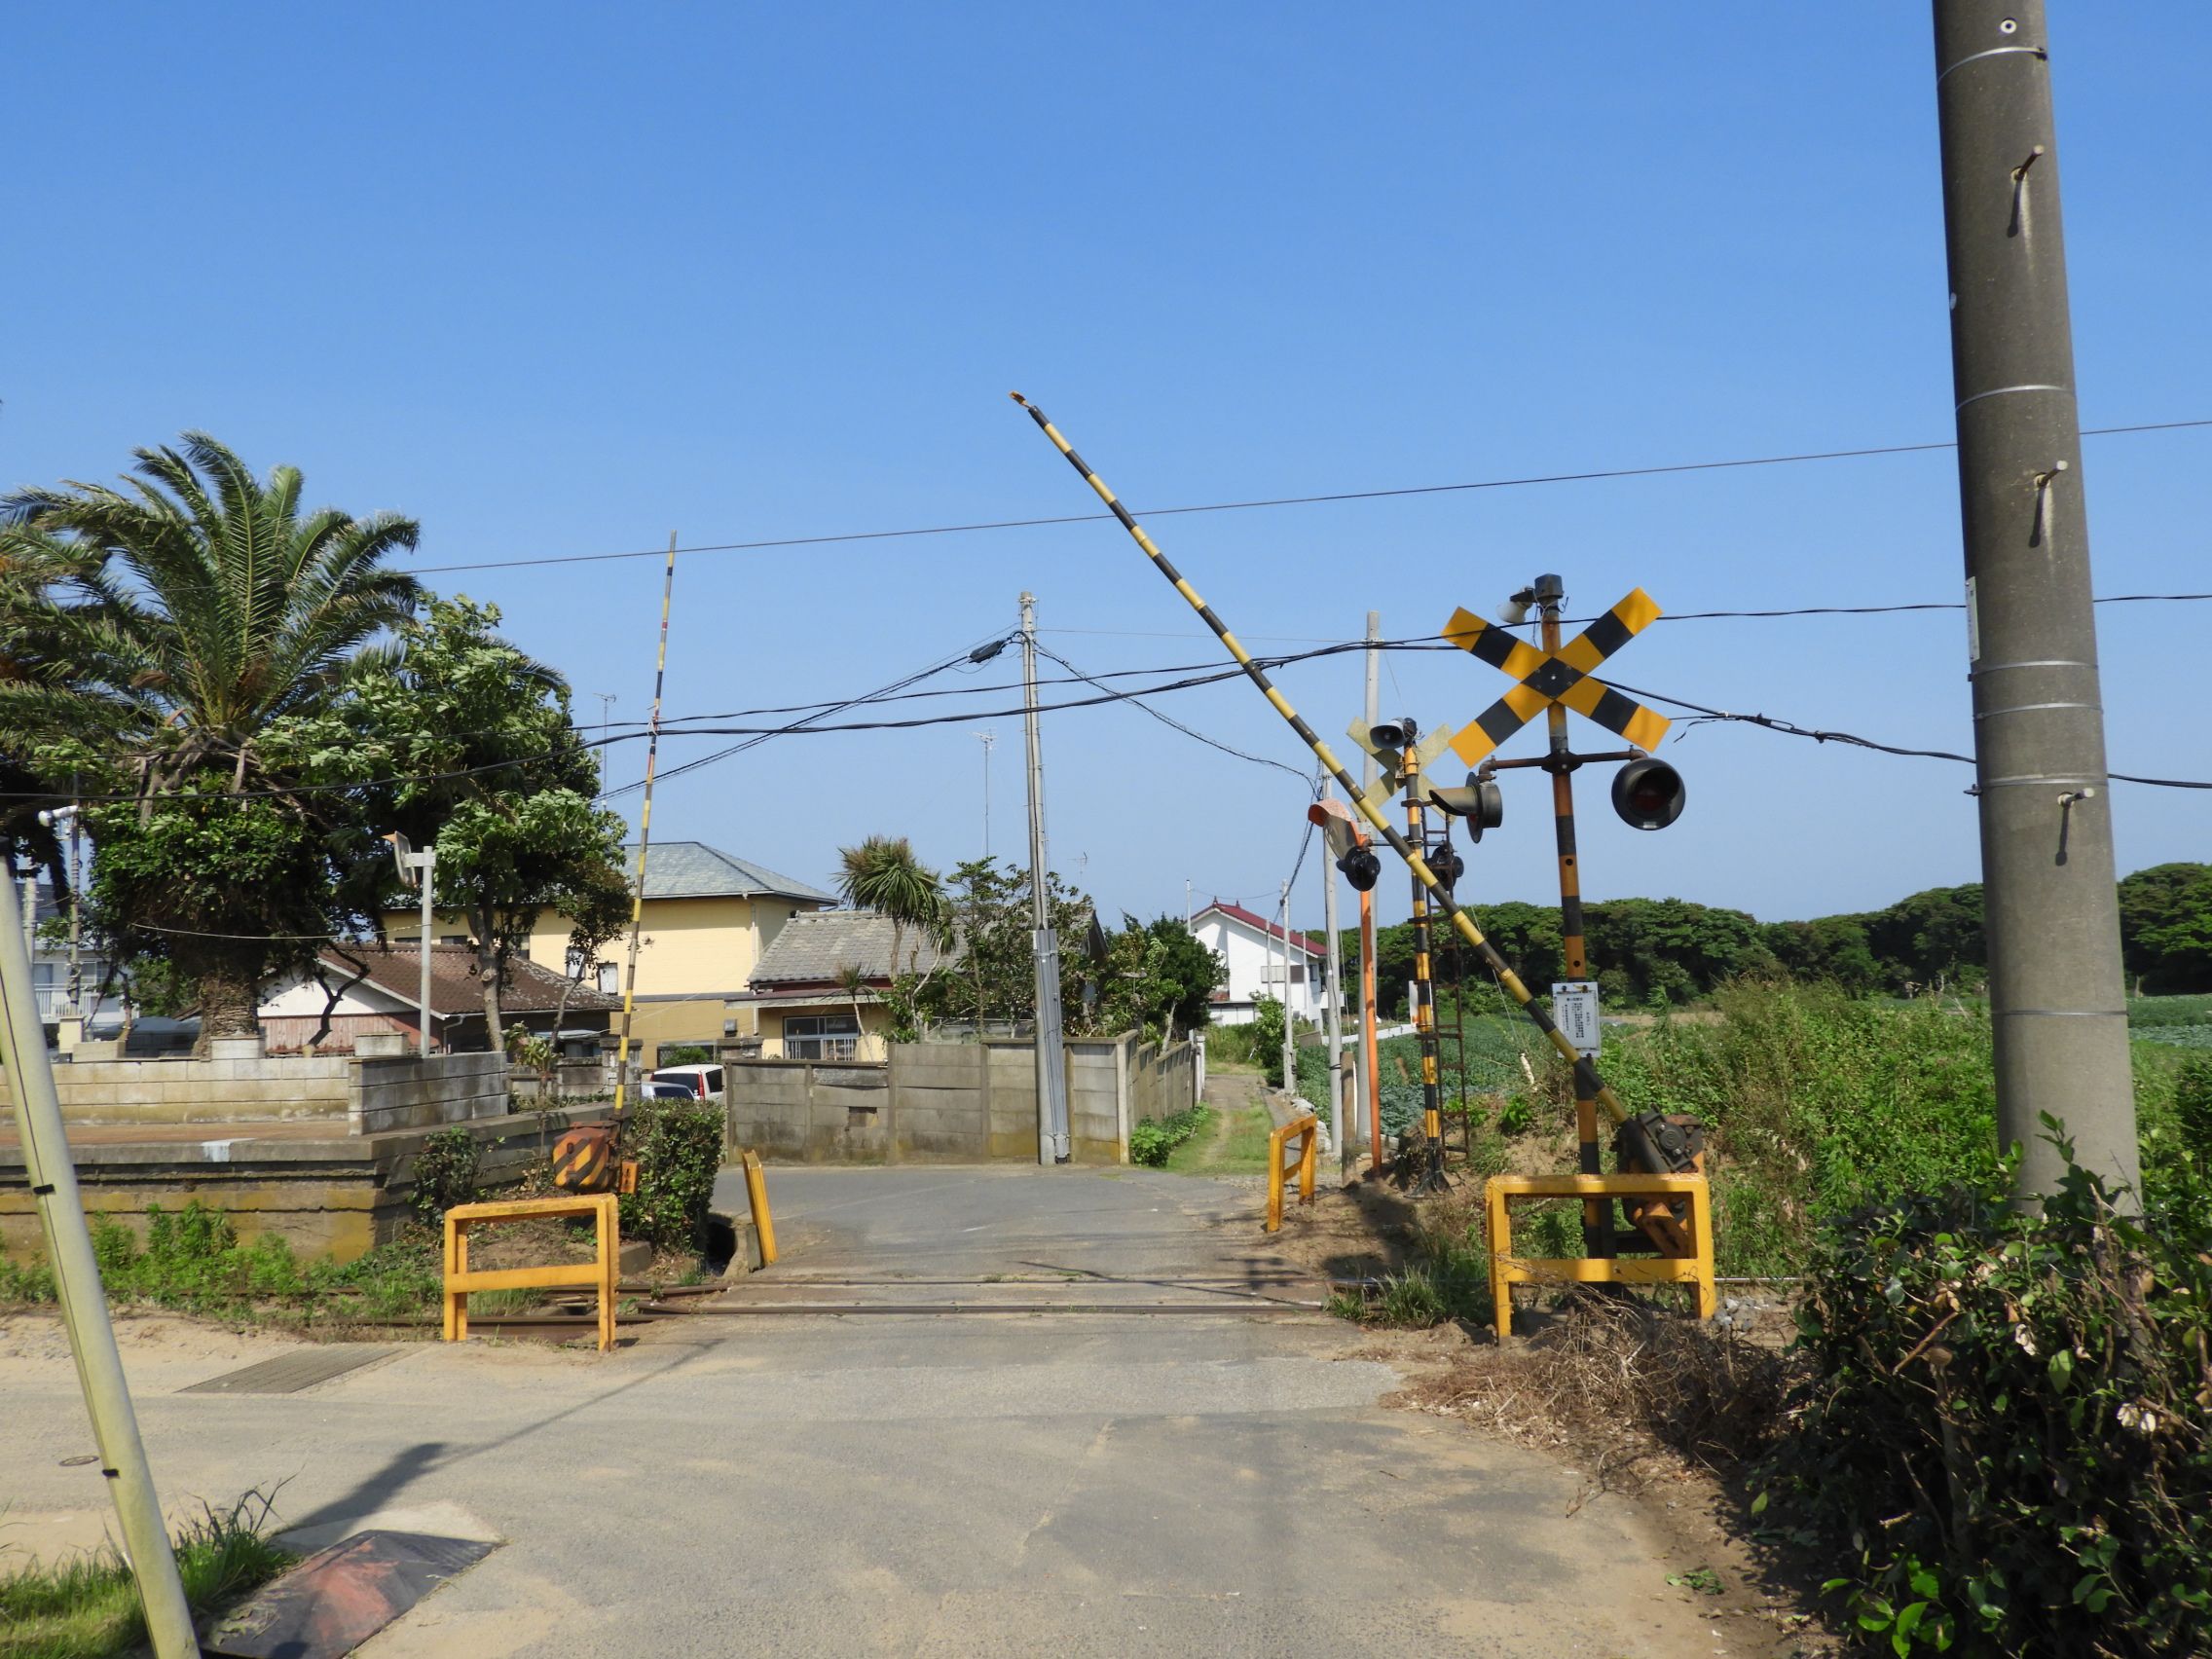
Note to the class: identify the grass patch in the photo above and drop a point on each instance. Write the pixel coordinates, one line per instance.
(1151, 1141)
(191, 1261)
(87, 1607)
(1235, 1143)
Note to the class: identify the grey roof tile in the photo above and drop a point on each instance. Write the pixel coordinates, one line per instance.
(692, 869)
(812, 948)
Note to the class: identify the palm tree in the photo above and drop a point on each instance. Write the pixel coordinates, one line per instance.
(207, 610)
(882, 874)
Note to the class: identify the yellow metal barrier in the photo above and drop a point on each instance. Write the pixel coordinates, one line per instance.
(597, 1274)
(1304, 1128)
(756, 1191)
(1508, 1270)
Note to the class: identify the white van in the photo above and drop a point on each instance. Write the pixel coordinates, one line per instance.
(702, 1082)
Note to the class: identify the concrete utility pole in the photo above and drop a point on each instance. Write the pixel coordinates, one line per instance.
(1289, 1041)
(53, 1180)
(1370, 1062)
(1335, 1014)
(2058, 999)
(1052, 1059)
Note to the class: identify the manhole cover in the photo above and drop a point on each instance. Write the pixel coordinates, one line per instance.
(289, 1373)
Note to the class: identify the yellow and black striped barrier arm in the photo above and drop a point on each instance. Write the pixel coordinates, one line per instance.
(1585, 1073)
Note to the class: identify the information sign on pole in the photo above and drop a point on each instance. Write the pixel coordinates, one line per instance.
(1574, 1011)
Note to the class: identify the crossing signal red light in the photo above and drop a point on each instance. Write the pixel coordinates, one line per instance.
(1362, 868)
(1447, 865)
(1649, 794)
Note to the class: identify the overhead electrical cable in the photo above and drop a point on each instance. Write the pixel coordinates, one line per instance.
(770, 543)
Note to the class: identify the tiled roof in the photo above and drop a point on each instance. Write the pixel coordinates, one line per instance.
(455, 988)
(692, 869)
(1312, 944)
(814, 946)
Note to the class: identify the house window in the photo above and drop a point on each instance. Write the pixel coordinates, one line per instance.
(609, 980)
(820, 1037)
(1273, 976)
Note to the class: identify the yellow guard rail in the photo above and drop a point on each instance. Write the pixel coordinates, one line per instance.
(1508, 1270)
(597, 1274)
(1302, 1130)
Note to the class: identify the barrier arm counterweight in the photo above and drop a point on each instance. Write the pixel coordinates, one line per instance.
(1585, 1073)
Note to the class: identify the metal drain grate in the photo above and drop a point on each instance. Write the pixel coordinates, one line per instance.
(289, 1373)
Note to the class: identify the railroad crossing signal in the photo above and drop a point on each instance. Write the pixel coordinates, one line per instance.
(1399, 764)
(1566, 677)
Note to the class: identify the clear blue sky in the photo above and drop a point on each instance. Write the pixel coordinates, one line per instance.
(563, 279)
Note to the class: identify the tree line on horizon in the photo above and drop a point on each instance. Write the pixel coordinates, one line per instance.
(1668, 951)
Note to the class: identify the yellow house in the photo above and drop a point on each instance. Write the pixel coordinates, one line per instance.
(707, 919)
(817, 991)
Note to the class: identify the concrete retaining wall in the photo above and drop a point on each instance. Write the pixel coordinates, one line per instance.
(333, 1192)
(955, 1102)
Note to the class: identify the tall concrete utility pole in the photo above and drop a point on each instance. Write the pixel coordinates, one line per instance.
(1334, 1016)
(1369, 1060)
(1289, 1036)
(52, 1181)
(2056, 994)
(1052, 1059)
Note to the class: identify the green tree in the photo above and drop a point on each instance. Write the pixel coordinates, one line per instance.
(1158, 979)
(203, 617)
(883, 875)
(491, 770)
(2165, 927)
(988, 912)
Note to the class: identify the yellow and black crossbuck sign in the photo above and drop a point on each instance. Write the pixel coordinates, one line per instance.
(1563, 677)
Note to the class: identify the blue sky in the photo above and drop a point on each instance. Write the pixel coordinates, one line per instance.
(564, 280)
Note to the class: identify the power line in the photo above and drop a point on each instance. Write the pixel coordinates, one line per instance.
(812, 725)
(1790, 728)
(848, 536)
(1171, 720)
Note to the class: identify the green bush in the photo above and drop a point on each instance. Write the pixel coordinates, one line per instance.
(1266, 1038)
(1151, 1141)
(678, 1146)
(1815, 1104)
(445, 1174)
(2003, 1426)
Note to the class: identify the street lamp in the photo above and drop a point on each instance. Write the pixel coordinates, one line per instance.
(419, 870)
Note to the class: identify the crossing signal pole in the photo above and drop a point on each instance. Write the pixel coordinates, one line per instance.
(1371, 1062)
(2056, 995)
(1431, 1176)
(1597, 1214)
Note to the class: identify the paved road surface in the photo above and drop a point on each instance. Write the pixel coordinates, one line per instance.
(945, 1485)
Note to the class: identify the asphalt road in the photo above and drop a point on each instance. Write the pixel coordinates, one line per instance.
(919, 1485)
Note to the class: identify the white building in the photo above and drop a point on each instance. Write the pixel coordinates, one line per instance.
(1254, 949)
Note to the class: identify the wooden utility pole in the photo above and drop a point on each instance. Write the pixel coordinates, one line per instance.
(2056, 995)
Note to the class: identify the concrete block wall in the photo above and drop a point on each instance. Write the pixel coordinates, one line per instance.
(1162, 1082)
(165, 1093)
(809, 1111)
(412, 1092)
(357, 1096)
(964, 1102)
